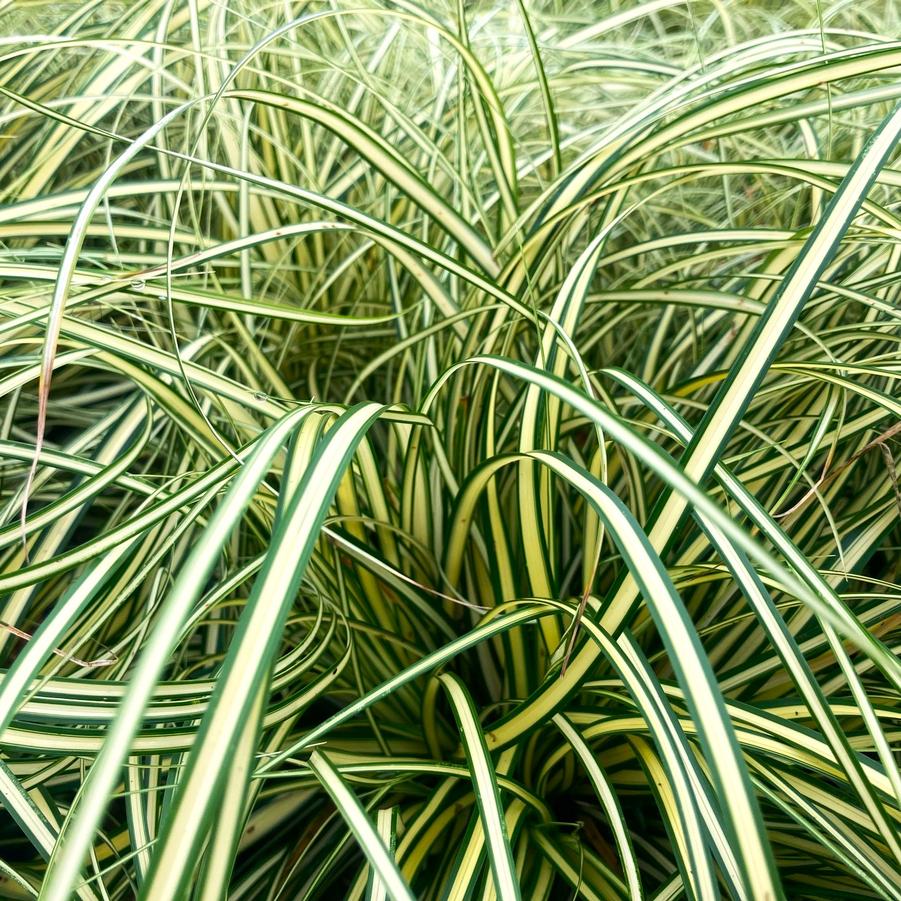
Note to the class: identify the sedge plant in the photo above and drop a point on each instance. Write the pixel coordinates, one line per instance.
(448, 450)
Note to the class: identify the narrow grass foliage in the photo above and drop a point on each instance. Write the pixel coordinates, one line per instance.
(449, 450)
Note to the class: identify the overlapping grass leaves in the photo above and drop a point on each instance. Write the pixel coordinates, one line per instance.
(349, 352)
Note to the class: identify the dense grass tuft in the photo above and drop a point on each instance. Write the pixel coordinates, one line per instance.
(448, 451)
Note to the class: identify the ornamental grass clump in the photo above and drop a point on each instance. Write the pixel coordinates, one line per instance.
(448, 451)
